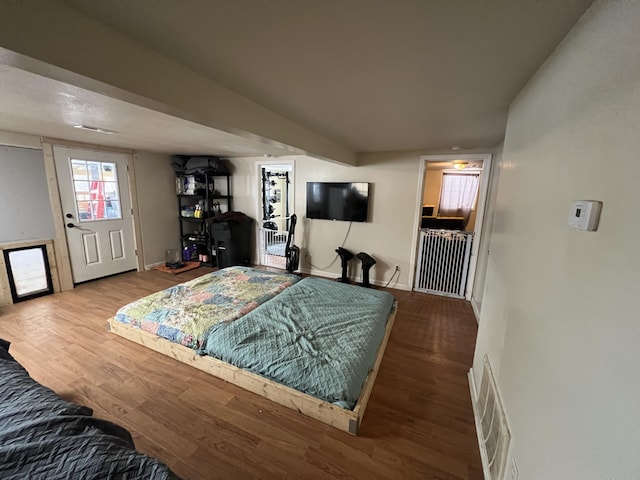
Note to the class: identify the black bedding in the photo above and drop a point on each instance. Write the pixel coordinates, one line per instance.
(45, 437)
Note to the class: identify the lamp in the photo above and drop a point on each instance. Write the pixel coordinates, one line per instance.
(460, 164)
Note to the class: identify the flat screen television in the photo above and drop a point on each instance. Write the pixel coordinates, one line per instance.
(348, 202)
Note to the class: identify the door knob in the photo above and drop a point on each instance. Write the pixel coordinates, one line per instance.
(68, 215)
(70, 225)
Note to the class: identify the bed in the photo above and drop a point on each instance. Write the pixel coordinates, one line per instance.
(184, 313)
(43, 436)
(314, 346)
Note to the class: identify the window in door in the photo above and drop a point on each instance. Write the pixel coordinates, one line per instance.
(96, 190)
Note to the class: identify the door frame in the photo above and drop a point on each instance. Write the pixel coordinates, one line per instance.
(483, 191)
(288, 161)
(61, 247)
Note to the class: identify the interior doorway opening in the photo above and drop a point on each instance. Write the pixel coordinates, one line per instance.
(449, 218)
(276, 208)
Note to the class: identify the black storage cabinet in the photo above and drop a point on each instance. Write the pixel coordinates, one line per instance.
(232, 242)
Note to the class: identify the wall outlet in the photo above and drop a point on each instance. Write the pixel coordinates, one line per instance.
(585, 215)
(514, 470)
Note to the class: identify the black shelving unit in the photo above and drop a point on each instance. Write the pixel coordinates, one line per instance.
(200, 197)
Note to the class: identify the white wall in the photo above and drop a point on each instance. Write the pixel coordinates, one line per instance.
(156, 187)
(560, 318)
(387, 236)
(25, 213)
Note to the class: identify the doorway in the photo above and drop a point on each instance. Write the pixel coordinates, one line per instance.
(98, 216)
(449, 216)
(275, 210)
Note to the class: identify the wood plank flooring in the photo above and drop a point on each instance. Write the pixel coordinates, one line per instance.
(418, 424)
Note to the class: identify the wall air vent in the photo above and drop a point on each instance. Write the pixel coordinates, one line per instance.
(491, 424)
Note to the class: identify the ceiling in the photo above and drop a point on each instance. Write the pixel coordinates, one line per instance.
(373, 75)
(38, 105)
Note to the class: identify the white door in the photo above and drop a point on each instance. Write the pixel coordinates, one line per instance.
(96, 204)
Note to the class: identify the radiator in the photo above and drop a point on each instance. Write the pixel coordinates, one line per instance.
(443, 262)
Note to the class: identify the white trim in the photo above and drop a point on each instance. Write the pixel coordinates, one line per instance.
(61, 247)
(135, 210)
(476, 417)
(476, 310)
(480, 210)
(479, 223)
(416, 222)
(20, 140)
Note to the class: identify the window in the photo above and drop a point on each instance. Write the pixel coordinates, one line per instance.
(29, 274)
(458, 194)
(95, 185)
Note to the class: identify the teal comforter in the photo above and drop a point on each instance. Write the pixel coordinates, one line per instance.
(318, 336)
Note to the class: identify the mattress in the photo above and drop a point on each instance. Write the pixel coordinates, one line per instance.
(319, 337)
(185, 313)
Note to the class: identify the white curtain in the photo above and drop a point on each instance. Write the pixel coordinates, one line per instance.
(458, 195)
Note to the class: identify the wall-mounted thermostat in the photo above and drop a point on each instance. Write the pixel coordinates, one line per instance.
(585, 214)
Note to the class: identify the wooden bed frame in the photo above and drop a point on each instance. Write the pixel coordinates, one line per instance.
(341, 418)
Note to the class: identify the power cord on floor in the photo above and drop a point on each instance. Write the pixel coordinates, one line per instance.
(397, 270)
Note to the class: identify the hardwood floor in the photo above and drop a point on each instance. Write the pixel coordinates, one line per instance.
(418, 424)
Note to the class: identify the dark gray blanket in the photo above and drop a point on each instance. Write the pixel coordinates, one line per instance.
(45, 437)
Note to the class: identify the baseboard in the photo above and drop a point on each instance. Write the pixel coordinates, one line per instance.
(476, 310)
(476, 417)
(149, 267)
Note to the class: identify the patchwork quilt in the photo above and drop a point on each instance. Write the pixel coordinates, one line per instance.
(185, 313)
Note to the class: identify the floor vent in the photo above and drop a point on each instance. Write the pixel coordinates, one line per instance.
(491, 423)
